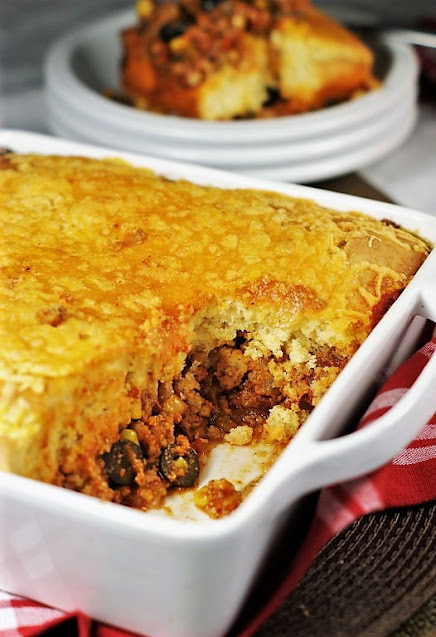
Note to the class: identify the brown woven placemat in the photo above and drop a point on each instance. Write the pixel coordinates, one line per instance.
(420, 622)
(368, 581)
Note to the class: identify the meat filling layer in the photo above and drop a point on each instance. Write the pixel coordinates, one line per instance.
(221, 395)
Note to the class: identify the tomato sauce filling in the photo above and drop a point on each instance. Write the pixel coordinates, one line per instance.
(165, 446)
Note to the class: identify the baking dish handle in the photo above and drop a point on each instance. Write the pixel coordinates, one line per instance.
(358, 453)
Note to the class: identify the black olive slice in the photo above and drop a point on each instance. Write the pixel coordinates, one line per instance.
(273, 96)
(118, 462)
(173, 29)
(181, 471)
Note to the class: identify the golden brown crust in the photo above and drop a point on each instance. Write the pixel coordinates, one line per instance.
(220, 60)
(111, 276)
(319, 62)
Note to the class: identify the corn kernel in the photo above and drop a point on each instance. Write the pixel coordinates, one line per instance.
(136, 412)
(178, 44)
(238, 21)
(175, 405)
(194, 78)
(130, 434)
(144, 8)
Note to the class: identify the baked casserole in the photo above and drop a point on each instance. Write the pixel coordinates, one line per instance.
(145, 321)
(221, 59)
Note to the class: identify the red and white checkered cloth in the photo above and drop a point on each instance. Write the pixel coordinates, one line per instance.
(409, 479)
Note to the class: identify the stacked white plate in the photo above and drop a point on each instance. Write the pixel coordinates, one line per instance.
(302, 148)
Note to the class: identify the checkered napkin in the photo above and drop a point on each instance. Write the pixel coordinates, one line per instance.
(409, 479)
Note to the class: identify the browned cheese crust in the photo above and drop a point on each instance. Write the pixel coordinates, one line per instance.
(220, 60)
(145, 320)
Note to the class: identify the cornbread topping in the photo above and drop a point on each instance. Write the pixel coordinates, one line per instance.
(144, 321)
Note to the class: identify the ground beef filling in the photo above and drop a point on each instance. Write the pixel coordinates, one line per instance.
(165, 448)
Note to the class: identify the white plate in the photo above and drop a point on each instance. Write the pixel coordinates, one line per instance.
(347, 160)
(81, 64)
(66, 122)
(169, 578)
(294, 162)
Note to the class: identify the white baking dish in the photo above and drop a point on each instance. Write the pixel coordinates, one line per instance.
(164, 577)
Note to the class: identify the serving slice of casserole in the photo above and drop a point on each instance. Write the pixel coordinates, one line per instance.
(225, 59)
(144, 321)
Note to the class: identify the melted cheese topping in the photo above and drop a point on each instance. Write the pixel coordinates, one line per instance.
(97, 253)
(110, 275)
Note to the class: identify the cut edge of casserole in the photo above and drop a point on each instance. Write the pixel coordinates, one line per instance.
(145, 321)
